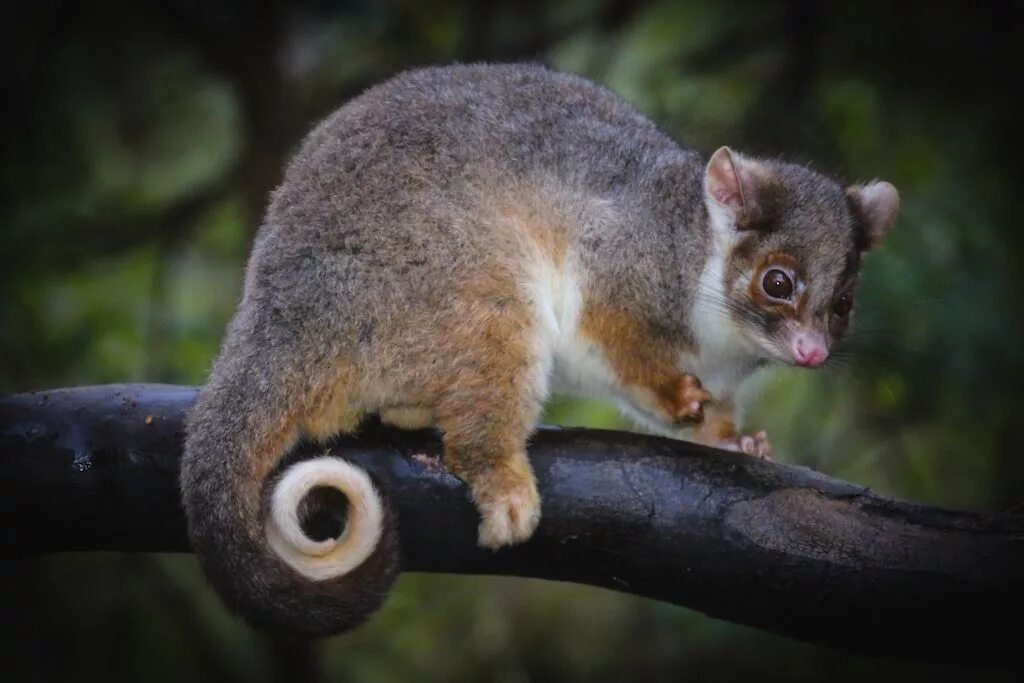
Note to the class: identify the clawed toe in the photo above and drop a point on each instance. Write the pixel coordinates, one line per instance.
(509, 516)
(690, 399)
(756, 445)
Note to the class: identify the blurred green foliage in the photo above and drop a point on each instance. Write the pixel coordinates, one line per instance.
(141, 141)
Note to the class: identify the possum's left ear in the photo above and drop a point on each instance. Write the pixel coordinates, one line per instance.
(875, 206)
(741, 189)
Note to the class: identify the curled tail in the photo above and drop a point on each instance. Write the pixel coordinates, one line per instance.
(313, 550)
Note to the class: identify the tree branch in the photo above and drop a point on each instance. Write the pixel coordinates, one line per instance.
(777, 547)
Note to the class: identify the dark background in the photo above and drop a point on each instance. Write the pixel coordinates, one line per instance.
(139, 143)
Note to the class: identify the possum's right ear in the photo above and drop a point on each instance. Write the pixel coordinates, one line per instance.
(875, 205)
(739, 191)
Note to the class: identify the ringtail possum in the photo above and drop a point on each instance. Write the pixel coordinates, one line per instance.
(451, 247)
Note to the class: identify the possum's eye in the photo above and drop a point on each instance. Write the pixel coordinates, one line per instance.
(842, 306)
(777, 284)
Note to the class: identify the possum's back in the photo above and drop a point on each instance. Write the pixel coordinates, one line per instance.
(517, 117)
(446, 131)
(394, 180)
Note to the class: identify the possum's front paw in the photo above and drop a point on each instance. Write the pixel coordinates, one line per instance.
(509, 507)
(689, 399)
(756, 445)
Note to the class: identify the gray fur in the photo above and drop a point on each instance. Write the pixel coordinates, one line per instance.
(378, 220)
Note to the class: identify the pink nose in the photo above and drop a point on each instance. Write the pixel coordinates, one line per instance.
(809, 349)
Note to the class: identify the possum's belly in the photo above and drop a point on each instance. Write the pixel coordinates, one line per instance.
(580, 368)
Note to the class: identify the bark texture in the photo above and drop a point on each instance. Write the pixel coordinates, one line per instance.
(777, 547)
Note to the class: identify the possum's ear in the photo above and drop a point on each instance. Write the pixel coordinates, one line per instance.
(740, 191)
(875, 206)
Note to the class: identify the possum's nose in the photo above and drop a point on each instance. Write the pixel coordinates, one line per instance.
(809, 348)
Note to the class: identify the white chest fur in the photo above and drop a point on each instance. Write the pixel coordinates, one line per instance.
(573, 364)
(724, 359)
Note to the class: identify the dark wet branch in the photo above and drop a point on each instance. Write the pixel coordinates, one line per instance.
(777, 547)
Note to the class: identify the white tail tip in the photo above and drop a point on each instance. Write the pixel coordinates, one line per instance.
(332, 557)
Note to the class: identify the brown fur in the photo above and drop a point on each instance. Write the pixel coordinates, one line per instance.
(719, 425)
(401, 268)
(641, 357)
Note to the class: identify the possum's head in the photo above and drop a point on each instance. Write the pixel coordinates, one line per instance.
(790, 242)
